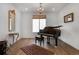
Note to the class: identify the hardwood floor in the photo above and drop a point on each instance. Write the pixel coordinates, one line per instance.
(61, 49)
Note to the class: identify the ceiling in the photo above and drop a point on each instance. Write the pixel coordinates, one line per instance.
(32, 7)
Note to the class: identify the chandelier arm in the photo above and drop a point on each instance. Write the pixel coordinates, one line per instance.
(40, 9)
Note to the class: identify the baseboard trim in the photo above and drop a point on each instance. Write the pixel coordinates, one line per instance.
(69, 45)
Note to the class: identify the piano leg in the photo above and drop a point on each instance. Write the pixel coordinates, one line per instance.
(48, 40)
(56, 41)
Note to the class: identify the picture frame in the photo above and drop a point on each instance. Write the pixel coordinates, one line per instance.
(11, 20)
(68, 18)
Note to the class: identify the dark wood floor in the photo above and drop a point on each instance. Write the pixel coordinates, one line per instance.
(61, 49)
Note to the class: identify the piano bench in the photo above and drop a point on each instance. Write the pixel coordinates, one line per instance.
(40, 40)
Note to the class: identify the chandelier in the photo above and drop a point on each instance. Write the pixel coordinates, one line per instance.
(40, 10)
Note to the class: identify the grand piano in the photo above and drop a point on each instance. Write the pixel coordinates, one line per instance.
(49, 31)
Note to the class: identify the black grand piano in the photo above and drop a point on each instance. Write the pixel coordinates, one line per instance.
(50, 32)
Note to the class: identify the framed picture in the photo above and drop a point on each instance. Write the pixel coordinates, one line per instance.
(68, 18)
(11, 20)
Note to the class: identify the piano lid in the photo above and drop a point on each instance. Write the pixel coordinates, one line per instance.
(55, 26)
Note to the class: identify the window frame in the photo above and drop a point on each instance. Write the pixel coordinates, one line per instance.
(39, 24)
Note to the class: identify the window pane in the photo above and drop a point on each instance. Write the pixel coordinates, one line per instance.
(42, 23)
(35, 25)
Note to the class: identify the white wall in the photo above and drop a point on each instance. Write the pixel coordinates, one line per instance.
(52, 19)
(26, 22)
(18, 23)
(70, 31)
(4, 21)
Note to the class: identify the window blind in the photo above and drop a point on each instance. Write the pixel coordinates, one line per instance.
(39, 17)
